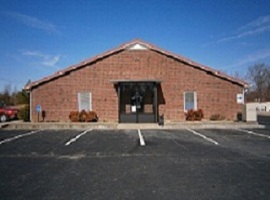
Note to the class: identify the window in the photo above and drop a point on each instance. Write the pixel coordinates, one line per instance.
(85, 101)
(190, 101)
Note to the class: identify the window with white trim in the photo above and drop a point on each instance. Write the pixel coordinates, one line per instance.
(190, 101)
(85, 101)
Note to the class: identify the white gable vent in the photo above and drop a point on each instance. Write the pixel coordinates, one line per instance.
(137, 47)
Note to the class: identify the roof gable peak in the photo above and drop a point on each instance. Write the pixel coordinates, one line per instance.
(137, 46)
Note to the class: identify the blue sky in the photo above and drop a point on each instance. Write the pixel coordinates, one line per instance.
(40, 37)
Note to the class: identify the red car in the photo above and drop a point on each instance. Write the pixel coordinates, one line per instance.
(7, 113)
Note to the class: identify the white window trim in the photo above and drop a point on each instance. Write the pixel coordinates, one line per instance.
(79, 101)
(195, 100)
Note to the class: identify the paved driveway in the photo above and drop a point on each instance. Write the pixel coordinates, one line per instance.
(112, 164)
(264, 119)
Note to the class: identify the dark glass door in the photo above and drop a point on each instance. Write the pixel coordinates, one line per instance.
(137, 102)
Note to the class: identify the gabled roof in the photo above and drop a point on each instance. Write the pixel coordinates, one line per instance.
(139, 45)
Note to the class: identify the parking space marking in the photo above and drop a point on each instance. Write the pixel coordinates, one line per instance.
(19, 136)
(142, 142)
(77, 137)
(254, 133)
(203, 136)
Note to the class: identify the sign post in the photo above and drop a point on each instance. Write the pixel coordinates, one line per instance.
(38, 109)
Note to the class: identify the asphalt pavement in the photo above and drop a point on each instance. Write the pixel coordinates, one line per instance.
(113, 164)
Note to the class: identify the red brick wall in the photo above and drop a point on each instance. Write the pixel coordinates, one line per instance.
(59, 97)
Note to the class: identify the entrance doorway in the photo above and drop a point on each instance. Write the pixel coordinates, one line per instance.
(137, 101)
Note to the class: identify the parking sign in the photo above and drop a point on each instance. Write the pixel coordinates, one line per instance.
(38, 108)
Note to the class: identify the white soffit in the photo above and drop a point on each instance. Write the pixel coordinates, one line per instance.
(137, 46)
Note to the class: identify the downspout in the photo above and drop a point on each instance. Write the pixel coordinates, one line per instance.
(119, 102)
(30, 104)
(245, 89)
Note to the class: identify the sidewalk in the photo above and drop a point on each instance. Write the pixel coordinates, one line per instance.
(98, 125)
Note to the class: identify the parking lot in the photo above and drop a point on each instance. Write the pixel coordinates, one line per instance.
(135, 164)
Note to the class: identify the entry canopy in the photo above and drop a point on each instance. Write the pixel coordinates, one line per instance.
(136, 81)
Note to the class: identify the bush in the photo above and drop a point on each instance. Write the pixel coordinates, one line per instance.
(217, 117)
(194, 115)
(83, 116)
(74, 116)
(91, 117)
(24, 113)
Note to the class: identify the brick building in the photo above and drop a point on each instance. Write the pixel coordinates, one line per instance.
(136, 82)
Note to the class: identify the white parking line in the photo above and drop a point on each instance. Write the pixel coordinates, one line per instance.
(19, 136)
(203, 136)
(77, 137)
(142, 143)
(254, 133)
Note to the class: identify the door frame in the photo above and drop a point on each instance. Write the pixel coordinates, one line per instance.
(137, 117)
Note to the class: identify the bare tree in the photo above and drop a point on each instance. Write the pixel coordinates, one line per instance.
(5, 96)
(238, 75)
(268, 85)
(259, 75)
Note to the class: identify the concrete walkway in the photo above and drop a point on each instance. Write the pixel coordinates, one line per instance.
(179, 125)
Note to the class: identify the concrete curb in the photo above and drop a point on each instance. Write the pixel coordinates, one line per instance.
(4, 125)
(60, 126)
(216, 126)
(113, 126)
